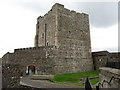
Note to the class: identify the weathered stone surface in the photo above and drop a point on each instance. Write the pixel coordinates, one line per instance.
(101, 58)
(41, 57)
(111, 77)
(10, 75)
(69, 32)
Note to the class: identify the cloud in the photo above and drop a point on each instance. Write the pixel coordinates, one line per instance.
(104, 39)
(17, 28)
(102, 14)
(18, 22)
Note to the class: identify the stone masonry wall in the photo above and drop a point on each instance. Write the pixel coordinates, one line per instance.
(69, 32)
(45, 29)
(115, 57)
(7, 58)
(41, 57)
(109, 78)
(101, 58)
(11, 75)
(72, 39)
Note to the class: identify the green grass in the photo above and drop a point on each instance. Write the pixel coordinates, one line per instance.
(94, 81)
(75, 77)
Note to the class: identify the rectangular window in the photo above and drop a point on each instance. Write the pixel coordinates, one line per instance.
(45, 33)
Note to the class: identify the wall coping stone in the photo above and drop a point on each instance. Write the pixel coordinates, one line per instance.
(112, 70)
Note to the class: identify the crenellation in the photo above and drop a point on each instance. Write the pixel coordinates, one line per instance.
(57, 5)
(40, 17)
(73, 13)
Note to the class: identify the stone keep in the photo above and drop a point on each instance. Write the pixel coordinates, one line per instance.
(69, 32)
(62, 44)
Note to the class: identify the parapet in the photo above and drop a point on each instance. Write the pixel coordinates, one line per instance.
(57, 5)
(34, 48)
(100, 53)
(62, 9)
(67, 11)
(40, 17)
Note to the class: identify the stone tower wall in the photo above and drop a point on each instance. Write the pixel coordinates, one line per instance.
(69, 32)
(72, 39)
(45, 29)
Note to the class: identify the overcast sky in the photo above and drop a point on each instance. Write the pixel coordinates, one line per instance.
(18, 22)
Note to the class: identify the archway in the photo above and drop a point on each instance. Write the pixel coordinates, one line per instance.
(31, 69)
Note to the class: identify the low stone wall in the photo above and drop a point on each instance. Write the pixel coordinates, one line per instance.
(110, 77)
(10, 76)
(105, 58)
(42, 57)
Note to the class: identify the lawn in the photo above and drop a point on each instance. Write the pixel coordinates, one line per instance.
(75, 77)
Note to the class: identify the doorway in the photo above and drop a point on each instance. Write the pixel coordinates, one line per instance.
(31, 69)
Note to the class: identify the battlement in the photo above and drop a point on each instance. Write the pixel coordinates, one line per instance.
(40, 17)
(34, 48)
(100, 53)
(77, 13)
(66, 11)
(57, 5)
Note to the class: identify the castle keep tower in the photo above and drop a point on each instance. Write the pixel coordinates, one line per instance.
(62, 45)
(69, 32)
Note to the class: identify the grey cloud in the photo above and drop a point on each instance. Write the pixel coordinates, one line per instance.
(102, 14)
(37, 7)
(112, 49)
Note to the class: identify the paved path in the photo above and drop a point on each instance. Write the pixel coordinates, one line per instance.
(43, 83)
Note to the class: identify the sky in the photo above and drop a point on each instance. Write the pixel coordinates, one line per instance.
(18, 20)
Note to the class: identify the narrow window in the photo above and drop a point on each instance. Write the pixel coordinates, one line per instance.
(38, 23)
(38, 27)
(45, 33)
(42, 35)
(47, 43)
